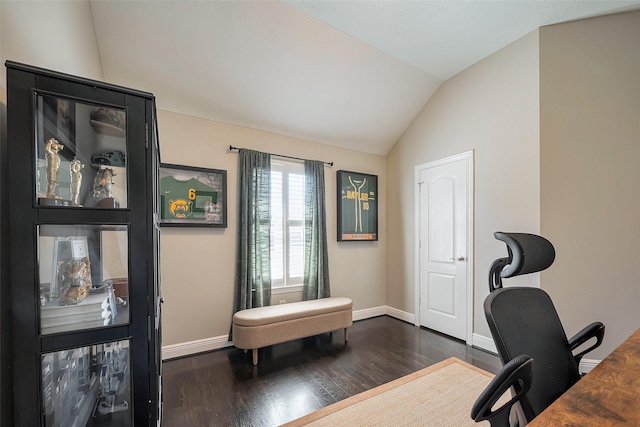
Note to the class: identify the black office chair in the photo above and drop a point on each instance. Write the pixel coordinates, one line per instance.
(517, 373)
(523, 320)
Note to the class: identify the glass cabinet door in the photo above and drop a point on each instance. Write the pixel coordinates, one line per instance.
(83, 276)
(81, 154)
(88, 385)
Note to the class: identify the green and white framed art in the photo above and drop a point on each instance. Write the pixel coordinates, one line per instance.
(192, 196)
(357, 206)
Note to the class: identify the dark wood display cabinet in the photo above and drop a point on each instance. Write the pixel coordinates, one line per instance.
(80, 246)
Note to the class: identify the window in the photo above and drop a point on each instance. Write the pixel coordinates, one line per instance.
(287, 223)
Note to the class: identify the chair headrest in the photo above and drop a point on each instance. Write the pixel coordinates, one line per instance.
(528, 253)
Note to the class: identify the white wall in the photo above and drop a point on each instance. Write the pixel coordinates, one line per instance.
(492, 108)
(50, 34)
(590, 162)
(57, 35)
(198, 265)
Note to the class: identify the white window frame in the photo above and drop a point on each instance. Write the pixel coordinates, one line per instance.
(287, 283)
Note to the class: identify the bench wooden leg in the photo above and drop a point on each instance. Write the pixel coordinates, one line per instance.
(254, 352)
(346, 334)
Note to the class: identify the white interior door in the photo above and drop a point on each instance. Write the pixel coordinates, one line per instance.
(444, 247)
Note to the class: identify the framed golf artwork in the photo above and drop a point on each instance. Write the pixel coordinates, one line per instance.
(357, 206)
(192, 196)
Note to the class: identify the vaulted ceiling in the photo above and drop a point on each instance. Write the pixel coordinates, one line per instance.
(352, 74)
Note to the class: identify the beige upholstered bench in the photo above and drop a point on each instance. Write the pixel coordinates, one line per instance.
(259, 327)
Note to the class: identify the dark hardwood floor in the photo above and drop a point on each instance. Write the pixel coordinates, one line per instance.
(223, 388)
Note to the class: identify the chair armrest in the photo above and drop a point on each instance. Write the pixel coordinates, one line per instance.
(517, 373)
(594, 330)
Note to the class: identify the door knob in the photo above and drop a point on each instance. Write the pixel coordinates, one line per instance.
(460, 258)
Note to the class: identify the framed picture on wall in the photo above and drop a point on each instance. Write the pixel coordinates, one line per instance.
(192, 196)
(357, 206)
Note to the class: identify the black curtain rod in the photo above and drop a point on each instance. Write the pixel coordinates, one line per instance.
(231, 148)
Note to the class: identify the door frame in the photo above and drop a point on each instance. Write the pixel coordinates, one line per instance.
(469, 157)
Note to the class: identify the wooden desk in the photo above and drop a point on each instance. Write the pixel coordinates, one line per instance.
(609, 395)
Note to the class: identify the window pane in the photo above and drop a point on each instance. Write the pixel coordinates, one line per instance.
(296, 196)
(277, 227)
(276, 194)
(287, 223)
(296, 251)
(277, 252)
(296, 228)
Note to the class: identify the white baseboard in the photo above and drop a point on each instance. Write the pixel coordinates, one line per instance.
(484, 343)
(368, 313)
(587, 365)
(173, 351)
(401, 315)
(382, 310)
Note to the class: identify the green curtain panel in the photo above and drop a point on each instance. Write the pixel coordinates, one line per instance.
(253, 264)
(316, 257)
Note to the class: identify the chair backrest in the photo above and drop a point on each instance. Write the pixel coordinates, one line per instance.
(523, 320)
